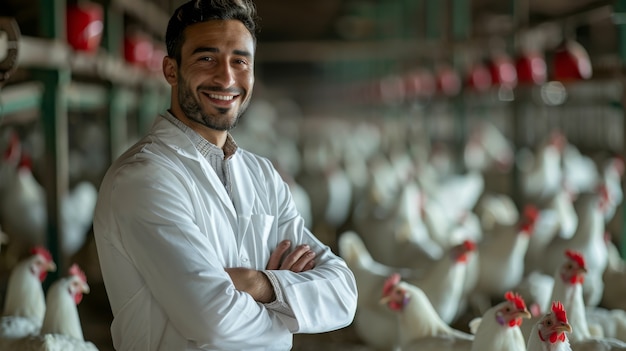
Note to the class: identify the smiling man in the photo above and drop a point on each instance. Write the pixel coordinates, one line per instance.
(200, 243)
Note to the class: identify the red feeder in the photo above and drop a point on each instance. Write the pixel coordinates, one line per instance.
(85, 26)
(571, 62)
(138, 49)
(531, 68)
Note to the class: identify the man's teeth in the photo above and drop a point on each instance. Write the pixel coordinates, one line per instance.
(221, 97)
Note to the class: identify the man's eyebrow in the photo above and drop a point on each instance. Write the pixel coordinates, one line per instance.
(216, 50)
(242, 53)
(204, 49)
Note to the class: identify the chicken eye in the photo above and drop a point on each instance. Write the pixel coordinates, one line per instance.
(548, 322)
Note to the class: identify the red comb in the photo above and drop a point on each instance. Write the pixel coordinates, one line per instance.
(392, 281)
(25, 162)
(576, 257)
(558, 139)
(76, 271)
(531, 213)
(40, 250)
(516, 299)
(469, 245)
(603, 190)
(529, 217)
(13, 149)
(559, 311)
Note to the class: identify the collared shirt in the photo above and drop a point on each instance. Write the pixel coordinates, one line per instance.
(219, 158)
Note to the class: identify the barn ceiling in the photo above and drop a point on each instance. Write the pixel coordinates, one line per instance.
(303, 20)
(296, 36)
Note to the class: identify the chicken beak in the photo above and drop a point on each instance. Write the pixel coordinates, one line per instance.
(384, 300)
(563, 327)
(524, 314)
(85, 288)
(51, 267)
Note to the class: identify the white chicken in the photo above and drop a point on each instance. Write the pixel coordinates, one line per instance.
(558, 218)
(374, 324)
(22, 203)
(541, 175)
(598, 345)
(615, 273)
(589, 241)
(23, 211)
(395, 235)
(322, 176)
(501, 260)
(299, 195)
(498, 328)
(580, 173)
(585, 335)
(611, 321)
(449, 226)
(612, 173)
(567, 289)
(444, 282)
(536, 288)
(487, 148)
(448, 203)
(61, 329)
(418, 320)
(62, 299)
(549, 332)
(24, 303)
(495, 210)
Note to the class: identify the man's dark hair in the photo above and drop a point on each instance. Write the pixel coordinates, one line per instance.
(197, 11)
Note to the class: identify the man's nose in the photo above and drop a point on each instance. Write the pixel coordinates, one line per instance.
(224, 75)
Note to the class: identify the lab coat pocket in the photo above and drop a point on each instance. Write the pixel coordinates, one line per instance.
(255, 231)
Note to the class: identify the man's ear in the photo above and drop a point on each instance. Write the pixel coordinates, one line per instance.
(170, 70)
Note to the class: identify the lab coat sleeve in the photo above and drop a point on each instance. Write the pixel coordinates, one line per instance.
(154, 214)
(324, 298)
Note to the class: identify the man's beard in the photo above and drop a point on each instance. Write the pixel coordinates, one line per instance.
(192, 109)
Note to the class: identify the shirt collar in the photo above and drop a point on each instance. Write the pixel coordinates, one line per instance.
(203, 146)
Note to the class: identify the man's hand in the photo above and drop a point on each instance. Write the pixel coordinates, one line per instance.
(253, 282)
(299, 260)
(256, 282)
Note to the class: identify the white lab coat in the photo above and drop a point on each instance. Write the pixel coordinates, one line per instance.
(165, 229)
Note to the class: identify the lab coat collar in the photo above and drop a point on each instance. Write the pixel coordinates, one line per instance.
(174, 138)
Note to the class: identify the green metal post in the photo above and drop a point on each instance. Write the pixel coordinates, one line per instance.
(434, 19)
(54, 120)
(113, 37)
(113, 30)
(461, 30)
(519, 11)
(118, 127)
(149, 107)
(620, 13)
(461, 19)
